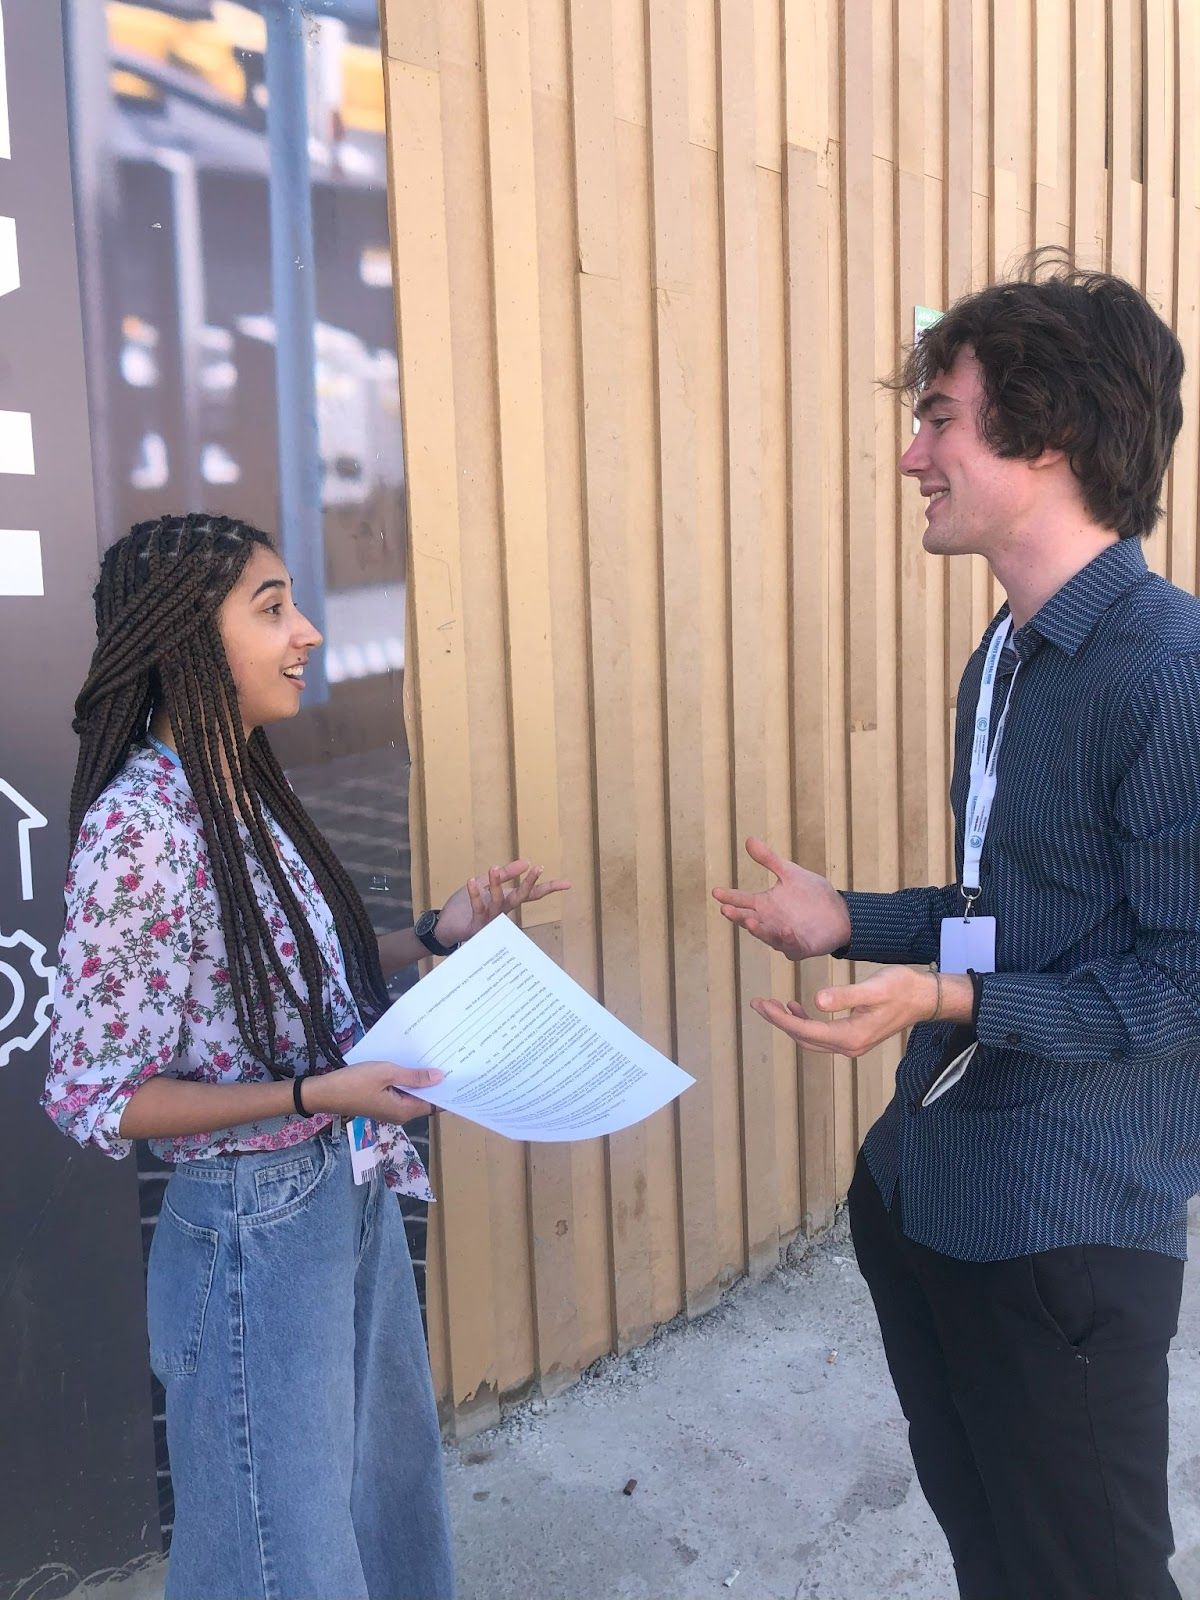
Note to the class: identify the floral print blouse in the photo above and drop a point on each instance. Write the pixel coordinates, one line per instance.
(143, 983)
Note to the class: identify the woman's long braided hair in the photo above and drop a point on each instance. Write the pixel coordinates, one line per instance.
(158, 642)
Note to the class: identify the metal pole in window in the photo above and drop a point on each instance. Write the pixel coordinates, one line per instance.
(294, 291)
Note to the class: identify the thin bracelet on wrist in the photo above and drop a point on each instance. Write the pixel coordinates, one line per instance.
(937, 1010)
(297, 1097)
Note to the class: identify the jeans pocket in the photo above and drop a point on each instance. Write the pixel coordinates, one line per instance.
(1063, 1292)
(277, 1186)
(286, 1186)
(183, 1261)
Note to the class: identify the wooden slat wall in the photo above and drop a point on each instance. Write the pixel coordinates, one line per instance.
(666, 587)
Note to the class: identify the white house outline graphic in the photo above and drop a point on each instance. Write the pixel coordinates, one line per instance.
(31, 818)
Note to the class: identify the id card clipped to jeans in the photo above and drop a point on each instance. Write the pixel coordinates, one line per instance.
(365, 1152)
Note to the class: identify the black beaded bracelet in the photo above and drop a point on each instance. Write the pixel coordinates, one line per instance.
(296, 1098)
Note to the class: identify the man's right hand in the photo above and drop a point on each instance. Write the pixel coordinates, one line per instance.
(801, 914)
(377, 1089)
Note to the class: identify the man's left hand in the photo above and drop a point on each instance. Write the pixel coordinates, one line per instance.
(484, 898)
(890, 1000)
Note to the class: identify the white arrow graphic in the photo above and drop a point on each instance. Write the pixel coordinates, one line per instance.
(32, 818)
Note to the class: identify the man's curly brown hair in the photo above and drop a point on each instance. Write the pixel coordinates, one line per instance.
(1069, 360)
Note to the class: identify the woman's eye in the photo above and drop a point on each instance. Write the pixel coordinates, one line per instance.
(275, 610)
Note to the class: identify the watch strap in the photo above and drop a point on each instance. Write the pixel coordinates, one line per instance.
(424, 930)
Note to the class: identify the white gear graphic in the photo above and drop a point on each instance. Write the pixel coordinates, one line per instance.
(32, 992)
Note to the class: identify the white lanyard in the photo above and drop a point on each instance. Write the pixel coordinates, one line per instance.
(983, 766)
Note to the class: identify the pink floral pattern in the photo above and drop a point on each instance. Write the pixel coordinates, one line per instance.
(143, 982)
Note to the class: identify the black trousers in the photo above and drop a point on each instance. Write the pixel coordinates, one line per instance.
(1036, 1397)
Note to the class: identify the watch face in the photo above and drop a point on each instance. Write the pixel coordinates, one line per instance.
(426, 923)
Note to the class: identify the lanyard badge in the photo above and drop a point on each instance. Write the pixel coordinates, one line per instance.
(365, 1152)
(969, 942)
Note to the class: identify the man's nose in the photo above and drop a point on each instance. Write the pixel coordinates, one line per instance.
(916, 458)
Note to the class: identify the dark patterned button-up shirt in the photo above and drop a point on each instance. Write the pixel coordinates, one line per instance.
(1078, 1118)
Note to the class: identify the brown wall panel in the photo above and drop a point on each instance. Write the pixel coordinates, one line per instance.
(667, 588)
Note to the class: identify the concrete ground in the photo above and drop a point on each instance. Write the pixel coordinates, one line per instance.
(769, 1456)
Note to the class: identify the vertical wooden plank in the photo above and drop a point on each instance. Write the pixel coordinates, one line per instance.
(1184, 486)
(712, 552)
(629, 61)
(643, 580)
(1050, 125)
(409, 32)
(1009, 104)
(692, 947)
(567, 1205)
(1122, 254)
(1158, 223)
(768, 84)
(920, 595)
(743, 425)
(1088, 176)
(473, 347)
(833, 468)
(513, 217)
(808, 300)
(960, 127)
(864, 620)
(878, 1076)
(775, 623)
(963, 122)
(702, 73)
(437, 652)
(811, 314)
(605, 475)
(807, 122)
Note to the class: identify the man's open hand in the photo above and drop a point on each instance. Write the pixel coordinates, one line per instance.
(801, 914)
(890, 1000)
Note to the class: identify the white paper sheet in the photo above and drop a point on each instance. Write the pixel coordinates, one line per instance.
(526, 1051)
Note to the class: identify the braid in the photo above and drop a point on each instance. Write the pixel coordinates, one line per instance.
(159, 643)
(359, 944)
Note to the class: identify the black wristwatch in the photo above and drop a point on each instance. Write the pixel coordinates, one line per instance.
(423, 928)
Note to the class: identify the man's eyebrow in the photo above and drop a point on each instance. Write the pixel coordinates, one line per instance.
(932, 398)
(267, 583)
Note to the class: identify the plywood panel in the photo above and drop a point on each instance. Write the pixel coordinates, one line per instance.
(1184, 486)
(1088, 187)
(421, 273)
(712, 549)
(775, 627)
(517, 336)
(568, 1212)
(651, 257)
(808, 304)
(692, 946)
(748, 730)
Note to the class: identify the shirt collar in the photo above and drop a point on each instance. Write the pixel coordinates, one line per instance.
(1071, 613)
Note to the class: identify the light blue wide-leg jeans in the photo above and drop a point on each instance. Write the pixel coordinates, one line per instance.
(284, 1325)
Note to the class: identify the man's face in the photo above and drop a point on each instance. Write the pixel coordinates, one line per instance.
(975, 499)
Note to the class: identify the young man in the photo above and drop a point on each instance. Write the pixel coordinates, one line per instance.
(1019, 1210)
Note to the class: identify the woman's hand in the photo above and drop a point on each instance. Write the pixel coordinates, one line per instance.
(378, 1089)
(482, 899)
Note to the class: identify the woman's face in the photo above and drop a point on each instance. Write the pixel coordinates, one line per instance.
(267, 641)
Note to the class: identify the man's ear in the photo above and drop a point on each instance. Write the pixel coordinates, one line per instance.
(1048, 458)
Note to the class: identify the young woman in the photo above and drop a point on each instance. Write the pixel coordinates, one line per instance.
(216, 962)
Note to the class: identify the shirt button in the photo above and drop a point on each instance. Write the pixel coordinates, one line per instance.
(1116, 1055)
(1012, 1038)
